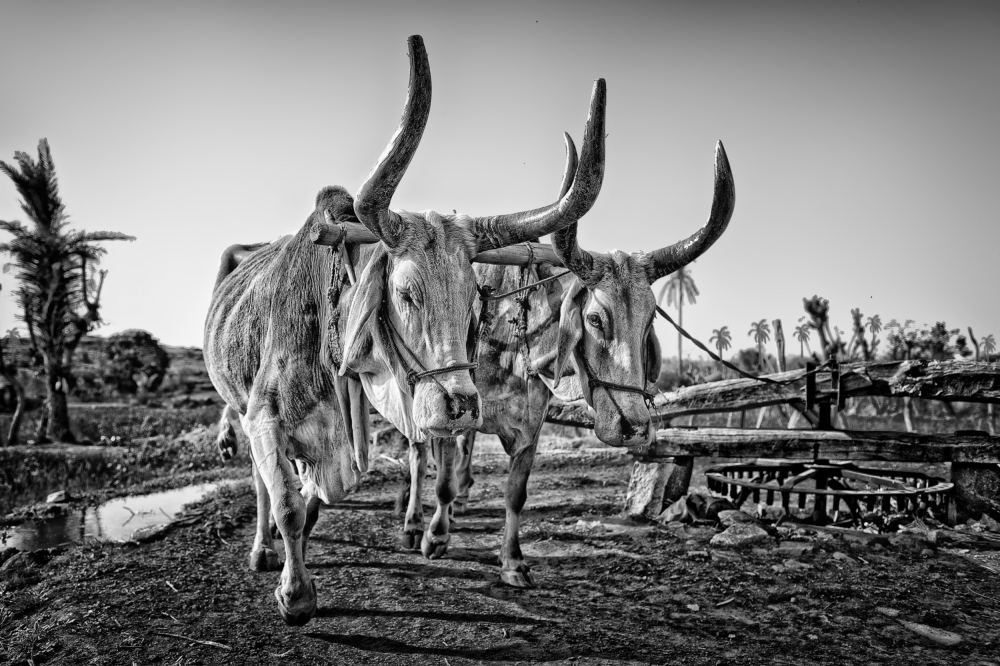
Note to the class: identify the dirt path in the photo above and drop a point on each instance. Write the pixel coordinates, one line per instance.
(609, 592)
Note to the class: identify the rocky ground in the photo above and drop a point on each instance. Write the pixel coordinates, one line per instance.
(609, 591)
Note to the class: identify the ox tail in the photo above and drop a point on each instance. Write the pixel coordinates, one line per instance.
(227, 440)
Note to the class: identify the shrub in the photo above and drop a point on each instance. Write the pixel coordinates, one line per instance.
(132, 355)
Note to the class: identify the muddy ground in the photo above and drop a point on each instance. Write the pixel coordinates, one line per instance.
(608, 591)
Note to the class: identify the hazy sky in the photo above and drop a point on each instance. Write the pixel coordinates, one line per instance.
(862, 136)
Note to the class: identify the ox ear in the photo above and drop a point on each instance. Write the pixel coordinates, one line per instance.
(570, 326)
(362, 320)
(654, 358)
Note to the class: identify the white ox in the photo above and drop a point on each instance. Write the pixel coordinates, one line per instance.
(590, 335)
(272, 334)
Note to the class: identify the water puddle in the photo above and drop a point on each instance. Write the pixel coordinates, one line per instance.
(114, 520)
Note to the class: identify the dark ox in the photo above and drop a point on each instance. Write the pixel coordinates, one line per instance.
(273, 329)
(590, 335)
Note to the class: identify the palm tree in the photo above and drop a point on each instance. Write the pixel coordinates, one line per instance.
(802, 333)
(761, 332)
(874, 325)
(679, 285)
(55, 267)
(722, 339)
(989, 346)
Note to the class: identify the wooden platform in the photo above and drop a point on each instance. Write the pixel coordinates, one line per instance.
(671, 443)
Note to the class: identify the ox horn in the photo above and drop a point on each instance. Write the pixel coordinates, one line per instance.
(564, 241)
(371, 204)
(502, 230)
(671, 258)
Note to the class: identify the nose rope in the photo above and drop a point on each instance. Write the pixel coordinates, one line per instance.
(414, 376)
(594, 382)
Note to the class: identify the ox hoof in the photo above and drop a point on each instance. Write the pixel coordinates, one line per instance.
(298, 616)
(460, 506)
(517, 578)
(411, 540)
(436, 548)
(264, 559)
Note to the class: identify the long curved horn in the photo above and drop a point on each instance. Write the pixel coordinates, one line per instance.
(502, 230)
(564, 241)
(372, 201)
(572, 161)
(669, 259)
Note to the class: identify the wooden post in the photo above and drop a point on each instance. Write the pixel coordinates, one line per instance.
(678, 480)
(779, 339)
(351, 233)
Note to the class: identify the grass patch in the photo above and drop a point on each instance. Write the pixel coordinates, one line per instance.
(130, 422)
(151, 446)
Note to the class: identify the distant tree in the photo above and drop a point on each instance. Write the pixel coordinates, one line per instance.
(761, 332)
(989, 345)
(858, 340)
(131, 359)
(8, 370)
(935, 343)
(722, 339)
(802, 333)
(55, 268)
(679, 285)
(874, 325)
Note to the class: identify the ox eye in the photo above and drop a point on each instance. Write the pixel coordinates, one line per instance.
(595, 321)
(405, 295)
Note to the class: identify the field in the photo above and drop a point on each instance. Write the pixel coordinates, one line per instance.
(148, 445)
(609, 591)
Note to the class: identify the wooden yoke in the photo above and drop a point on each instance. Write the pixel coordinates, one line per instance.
(350, 233)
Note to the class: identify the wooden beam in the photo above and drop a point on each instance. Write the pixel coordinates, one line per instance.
(333, 234)
(830, 444)
(966, 381)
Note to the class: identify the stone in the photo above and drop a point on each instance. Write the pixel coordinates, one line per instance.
(149, 533)
(977, 490)
(730, 517)
(740, 535)
(675, 513)
(771, 513)
(795, 548)
(644, 498)
(844, 557)
(989, 523)
(58, 497)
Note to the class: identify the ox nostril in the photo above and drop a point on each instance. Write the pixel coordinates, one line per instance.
(628, 432)
(459, 404)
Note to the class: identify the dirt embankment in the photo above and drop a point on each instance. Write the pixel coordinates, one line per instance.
(608, 591)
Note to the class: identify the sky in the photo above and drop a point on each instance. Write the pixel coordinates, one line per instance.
(862, 137)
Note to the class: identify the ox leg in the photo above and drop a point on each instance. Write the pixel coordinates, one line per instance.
(312, 515)
(263, 557)
(226, 439)
(513, 569)
(463, 471)
(435, 541)
(413, 524)
(296, 593)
